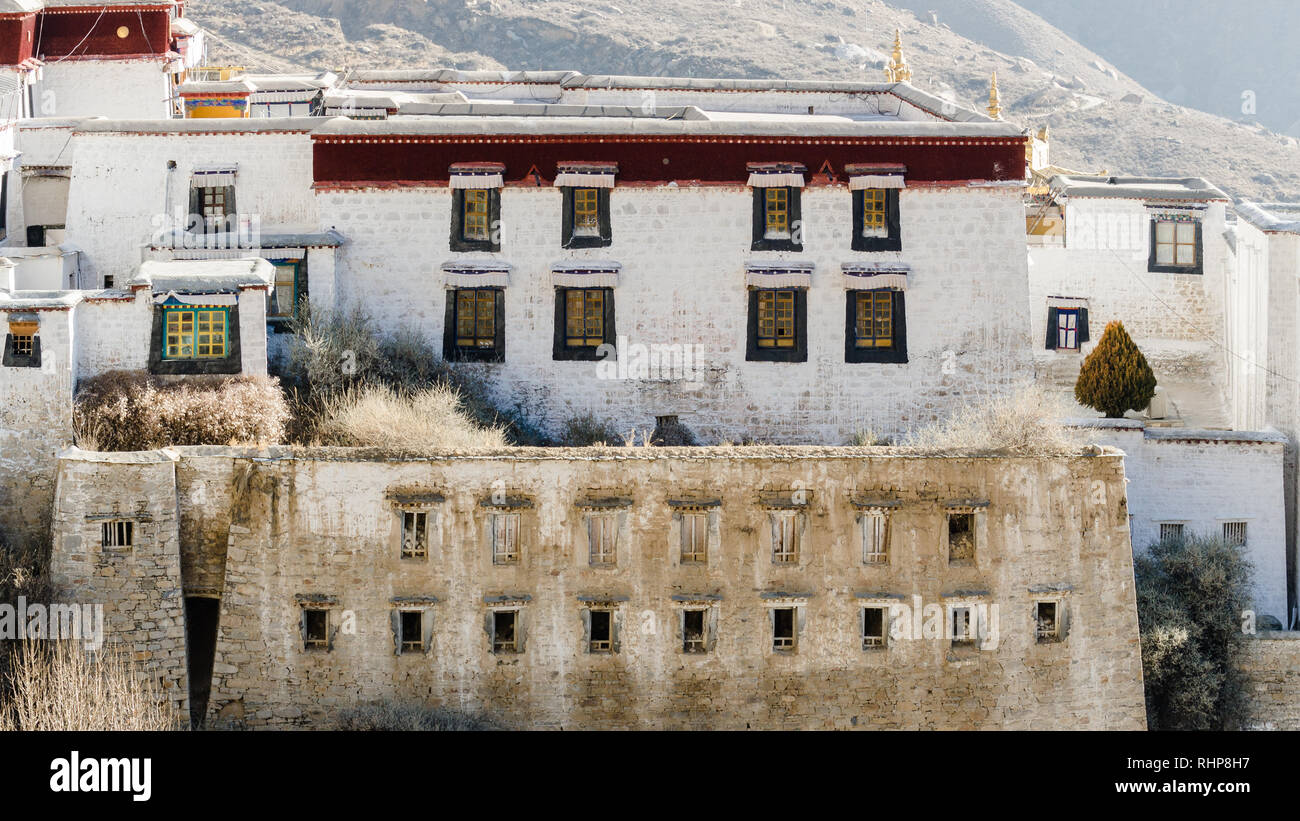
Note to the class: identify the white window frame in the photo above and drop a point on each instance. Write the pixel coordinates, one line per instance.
(1244, 540)
(1067, 329)
(1160, 529)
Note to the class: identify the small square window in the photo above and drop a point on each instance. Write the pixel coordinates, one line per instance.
(694, 631)
(1175, 246)
(415, 534)
(316, 629)
(505, 631)
(117, 535)
(784, 630)
(602, 632)
(777, 219)
(695, 538)
(602, 539)
(961, 538)
(874, 624)
(1234, 533)
(876, 220)
(961, 623)
(875, 538)
(785, 538)
(1047, 621)
(1171, 531)
(411, 623)
(505, 538)
(23, 345)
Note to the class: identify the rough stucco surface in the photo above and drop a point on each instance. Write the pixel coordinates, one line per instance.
(322, 525)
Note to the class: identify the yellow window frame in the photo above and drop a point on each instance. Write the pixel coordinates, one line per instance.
(776, 319)
(586, 214)
(200, 332)
(874, 319)
(873, 210)
(475, 209)
(476, 317)
(776, 210)
(584, 317)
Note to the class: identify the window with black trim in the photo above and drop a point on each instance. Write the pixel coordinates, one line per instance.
(409, 632)
(1067, 328)
(778, 325)
(586, 221)
(876, 225)
(23, 344)
(601, 630)
(875, 326)
(584, 320)
(212, 209)
(474, 329)
(875, 627)
(195, 339)
(475, 219)
(778, 222)
(507, 636)
(785, 630)
(289, 287)
(1176, 246)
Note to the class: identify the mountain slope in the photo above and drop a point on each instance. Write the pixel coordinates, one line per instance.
(1044, 76)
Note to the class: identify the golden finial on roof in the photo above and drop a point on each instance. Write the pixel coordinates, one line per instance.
(897, 70)
(995, 105)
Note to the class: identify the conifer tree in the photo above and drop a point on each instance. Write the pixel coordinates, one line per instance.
(1115, 377)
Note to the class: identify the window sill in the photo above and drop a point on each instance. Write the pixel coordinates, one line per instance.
(1195, 270)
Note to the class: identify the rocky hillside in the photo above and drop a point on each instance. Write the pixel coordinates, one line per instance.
(1099, 117)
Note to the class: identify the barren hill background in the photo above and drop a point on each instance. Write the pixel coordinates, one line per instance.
(1100, 118)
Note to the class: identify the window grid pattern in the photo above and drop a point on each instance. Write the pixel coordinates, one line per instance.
(476, 317)
(415, 534)
(196, 334)
(875, 319)
(776, 319)
(475, 226)
(776, 212)
(586, 217)
(584, 317)
(1175, 242)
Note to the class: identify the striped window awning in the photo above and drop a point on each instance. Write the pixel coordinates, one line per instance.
(778, 274)
(1068, 302)
(213, 176)
(477, 175)
(585, 274)
(867, 276)
(776, 174)
(585, 174)
(476, 274)
(875, 175)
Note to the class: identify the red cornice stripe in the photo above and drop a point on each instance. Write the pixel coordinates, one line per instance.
(462, 139)
(816, 182)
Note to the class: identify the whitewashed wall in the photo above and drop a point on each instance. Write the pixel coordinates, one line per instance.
(122, 190)
(1174, 318)
(119, 89)
(1202, 479)
(683, 252)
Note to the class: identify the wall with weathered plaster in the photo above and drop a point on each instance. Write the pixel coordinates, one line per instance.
(325, 525)
(1271, 662)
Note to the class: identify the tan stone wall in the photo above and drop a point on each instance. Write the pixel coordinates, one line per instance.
(1271, 662)
(139, 587)
(322, 525)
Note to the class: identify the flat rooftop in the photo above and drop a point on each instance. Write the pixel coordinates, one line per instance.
(1145, 188)
(1280, 217)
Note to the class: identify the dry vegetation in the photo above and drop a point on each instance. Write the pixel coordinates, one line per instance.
(390, 716)
(378, 416)
(58, 685)
(123, 410)
(1024, 423)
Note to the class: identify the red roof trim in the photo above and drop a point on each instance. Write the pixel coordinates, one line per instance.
(462, 139)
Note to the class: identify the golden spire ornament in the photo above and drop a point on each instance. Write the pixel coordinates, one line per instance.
(995, 104)
(897, 70)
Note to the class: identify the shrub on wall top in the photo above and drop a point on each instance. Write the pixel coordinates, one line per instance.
(128, 410)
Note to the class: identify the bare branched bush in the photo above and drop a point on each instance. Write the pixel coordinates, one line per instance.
(1024, 423)
(59, 685)
(377, 416)
(125, 410)
(391, 716)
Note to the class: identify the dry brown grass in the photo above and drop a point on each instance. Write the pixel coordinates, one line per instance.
(123, 410)
(1024, 423)
(60, 686)
(376, 416)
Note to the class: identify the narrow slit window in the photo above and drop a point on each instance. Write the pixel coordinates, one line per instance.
(784, 633)
(505, 538)
(873, 627)
(505, 631)
(776, 319)
(875, 538)
(117, 535)
(693, 632)
(602, 631)
(961, 537)
(695, 538)
(602, 539)
(415, 534)
(412, 627)
(961, 623)
(1047, 622)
